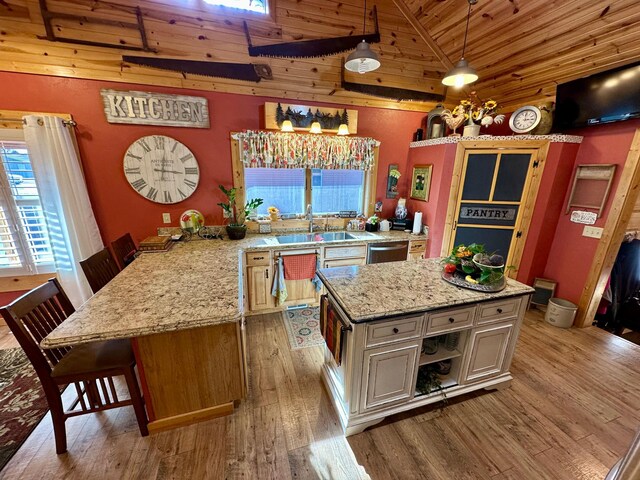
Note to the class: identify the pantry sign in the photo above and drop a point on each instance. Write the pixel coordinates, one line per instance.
(147, 108)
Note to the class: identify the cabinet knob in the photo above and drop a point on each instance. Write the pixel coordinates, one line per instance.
(451, 319)
(499, 310)
(395, 330)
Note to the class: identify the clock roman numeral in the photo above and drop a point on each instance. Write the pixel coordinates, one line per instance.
(167, 197)
(182, 195)
(139, 184)
(159, 142)
(191, 170)
(190, 183)
(145, 145)
(152, 193)
(132, 171)
(186, 157)
(131, 155)
(175, 144)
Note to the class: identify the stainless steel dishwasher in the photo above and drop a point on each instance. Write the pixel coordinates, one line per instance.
(387, 252)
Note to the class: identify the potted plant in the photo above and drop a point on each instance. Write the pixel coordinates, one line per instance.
(236, 230)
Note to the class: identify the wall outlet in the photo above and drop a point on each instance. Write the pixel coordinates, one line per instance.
(592, 232)
(166, 218)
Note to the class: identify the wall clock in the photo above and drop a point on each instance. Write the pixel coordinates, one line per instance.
(161, 169)
(525, 119)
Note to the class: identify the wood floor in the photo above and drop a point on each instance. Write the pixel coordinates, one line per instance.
(571, 411)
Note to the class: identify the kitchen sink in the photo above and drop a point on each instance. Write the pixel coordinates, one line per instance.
(314, 237)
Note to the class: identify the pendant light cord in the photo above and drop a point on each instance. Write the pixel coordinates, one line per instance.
(364, 18)
(466, 31)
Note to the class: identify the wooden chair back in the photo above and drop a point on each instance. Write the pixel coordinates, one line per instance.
(123, 249)
(99, 269)
(32, 317)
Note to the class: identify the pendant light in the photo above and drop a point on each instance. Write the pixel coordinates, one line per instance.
(343, 129)
(362, 59)
(287, 126)
(462, 74)
(315, 128)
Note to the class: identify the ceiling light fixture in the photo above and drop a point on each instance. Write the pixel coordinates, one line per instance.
(315, 128)
(462, 73)
(287, 126)
(362, 59)
(343, 129)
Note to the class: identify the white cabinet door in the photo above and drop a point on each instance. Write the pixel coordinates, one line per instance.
(389, 374)
(488, 350)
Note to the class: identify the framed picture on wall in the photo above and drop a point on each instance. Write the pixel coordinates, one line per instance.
(420, 182)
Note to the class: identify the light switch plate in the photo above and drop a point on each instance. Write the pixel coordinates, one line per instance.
(592, 232)
(166, 217)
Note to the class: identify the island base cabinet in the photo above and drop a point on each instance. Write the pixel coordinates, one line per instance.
(389, 374)
(488, 351)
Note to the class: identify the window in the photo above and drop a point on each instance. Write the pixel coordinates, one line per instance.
(331, 190)
(24, 241)
(260, 6)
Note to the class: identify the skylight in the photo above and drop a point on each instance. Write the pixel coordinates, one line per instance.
(260, 6)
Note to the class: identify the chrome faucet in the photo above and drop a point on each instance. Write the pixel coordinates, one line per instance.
(310, 218)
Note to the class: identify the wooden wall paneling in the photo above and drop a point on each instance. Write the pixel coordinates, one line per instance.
(622, 207)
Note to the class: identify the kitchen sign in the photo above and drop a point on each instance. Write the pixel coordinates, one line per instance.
(488, 213)
(146, 108)
(586, 218)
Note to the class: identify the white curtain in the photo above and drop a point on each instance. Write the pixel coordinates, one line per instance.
(73, 230)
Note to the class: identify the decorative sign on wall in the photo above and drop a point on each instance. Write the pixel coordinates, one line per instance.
(475, 212)
(421, 182)
(587, 218)
(302, 116)
(146, 108)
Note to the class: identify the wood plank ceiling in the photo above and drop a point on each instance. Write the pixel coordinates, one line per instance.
(521, 48)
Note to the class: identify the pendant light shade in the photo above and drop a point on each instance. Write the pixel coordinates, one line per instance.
(343, 129)
(462, 73)
(315, 128)
(287, 126)
(362, 59)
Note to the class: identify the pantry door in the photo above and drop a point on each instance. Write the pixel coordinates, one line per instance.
(493, 201)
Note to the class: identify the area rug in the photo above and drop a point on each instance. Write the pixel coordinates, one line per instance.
(22, 402)
(303, 327)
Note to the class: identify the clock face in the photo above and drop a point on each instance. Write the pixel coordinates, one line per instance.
(525, 119)
(161, 169)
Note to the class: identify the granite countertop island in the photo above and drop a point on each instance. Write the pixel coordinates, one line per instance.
(195, 284)
(398, 288)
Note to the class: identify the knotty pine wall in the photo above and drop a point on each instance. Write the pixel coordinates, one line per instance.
(118, 208)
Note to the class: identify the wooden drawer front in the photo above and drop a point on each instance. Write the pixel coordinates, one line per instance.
(498, 311)
(345, 252)
(380, 333)
(449, 320)
(389, 374)
(258, 258)
(345, 262)
(417, 247)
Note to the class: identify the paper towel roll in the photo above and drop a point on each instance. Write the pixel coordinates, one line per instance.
(417, 222)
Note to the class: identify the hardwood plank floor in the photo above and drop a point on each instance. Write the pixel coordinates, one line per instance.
(571, 411)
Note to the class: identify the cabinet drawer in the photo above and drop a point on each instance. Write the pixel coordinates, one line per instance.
(380, 333)
(417, 246)
(498, 311)
(344, 252)
(344, 262)
(257, 258)
(449, 320)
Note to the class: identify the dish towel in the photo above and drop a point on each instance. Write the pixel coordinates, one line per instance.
(299, 267)
(279, 288)
(316, 280)
(332, 328)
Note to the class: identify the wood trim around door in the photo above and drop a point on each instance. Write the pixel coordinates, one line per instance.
(530, 190)
(624, 201)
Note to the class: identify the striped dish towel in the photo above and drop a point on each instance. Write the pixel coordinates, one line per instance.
(332, 328)
(279, 288)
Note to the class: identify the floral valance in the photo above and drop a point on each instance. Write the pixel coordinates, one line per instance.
(294, 150)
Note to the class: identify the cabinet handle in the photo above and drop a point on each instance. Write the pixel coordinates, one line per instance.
(258, 258)
(395, 330)
(266, 274)
(499, 310)
(451, 319)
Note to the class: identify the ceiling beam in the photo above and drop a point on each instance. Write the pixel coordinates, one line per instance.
(428, 39)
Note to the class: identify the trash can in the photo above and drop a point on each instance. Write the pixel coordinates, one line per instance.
(560, 313)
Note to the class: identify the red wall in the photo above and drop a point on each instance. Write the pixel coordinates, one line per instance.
(118, 208)
(571, 254)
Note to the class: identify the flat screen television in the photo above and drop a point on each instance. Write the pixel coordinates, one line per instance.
(606, 97)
